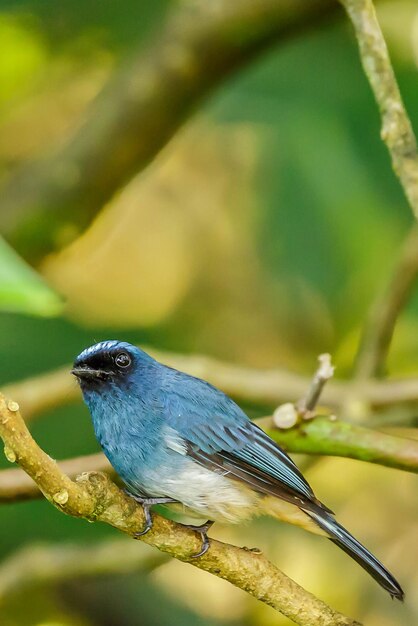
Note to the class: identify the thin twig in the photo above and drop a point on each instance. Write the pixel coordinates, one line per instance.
(398, 134)
(322, 375)
(54, 564)
(94, 497)
(288, 415)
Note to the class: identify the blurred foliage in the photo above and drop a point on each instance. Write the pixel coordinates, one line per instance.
(261, 234)
(21, 289)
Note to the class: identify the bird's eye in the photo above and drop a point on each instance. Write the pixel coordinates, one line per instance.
(123, 360)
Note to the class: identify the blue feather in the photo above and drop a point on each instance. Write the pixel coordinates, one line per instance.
(168, 434)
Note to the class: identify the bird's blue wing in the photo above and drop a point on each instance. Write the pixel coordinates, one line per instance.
(219, 435)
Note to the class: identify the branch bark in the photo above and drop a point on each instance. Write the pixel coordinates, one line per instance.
(201, 44)
(94, 497)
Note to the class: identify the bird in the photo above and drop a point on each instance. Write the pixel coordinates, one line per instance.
(177, 440)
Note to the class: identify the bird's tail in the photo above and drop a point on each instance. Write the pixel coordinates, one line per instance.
(344, 540)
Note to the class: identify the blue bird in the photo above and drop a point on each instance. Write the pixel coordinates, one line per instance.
(177, 440)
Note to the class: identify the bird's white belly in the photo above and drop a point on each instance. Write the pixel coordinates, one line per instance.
(207, 494)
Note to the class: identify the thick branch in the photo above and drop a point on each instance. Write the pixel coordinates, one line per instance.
(380, 325)
(274, 386)
(321, 435)
(201, 44)
(94, 497)
(41, 564)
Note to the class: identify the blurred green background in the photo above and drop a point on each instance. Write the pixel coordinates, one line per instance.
(260, 234)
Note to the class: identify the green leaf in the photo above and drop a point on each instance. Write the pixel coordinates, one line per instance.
(22, 290)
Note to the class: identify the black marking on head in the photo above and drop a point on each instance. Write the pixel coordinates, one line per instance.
(104, 361)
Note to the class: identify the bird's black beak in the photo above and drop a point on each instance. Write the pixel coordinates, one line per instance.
(87, 374)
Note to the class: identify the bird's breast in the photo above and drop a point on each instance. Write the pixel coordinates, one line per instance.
(202, 492)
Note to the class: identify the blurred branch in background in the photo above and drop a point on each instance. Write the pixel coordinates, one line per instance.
(269, 386)
(94, 497)
(380, 324)
(319, 436)
(396, 130)
(200, 46)
(143, 105)
(48, 564)
(16, 485)
(398, 134)
(314, 435)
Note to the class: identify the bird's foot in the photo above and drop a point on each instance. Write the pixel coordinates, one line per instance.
(203, 532)
(146, 504)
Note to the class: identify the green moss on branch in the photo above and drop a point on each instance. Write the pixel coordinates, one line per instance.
(322, 435)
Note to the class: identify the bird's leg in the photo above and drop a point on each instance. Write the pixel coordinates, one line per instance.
(146, 504)
(203, 532)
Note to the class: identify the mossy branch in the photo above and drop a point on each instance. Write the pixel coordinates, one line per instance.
(93, 496)
(331, 437)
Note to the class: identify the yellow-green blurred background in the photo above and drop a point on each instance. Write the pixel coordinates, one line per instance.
(260, 235)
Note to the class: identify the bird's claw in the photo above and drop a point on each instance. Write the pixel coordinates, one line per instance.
(141, 533)
(202, 530)
(146, 504)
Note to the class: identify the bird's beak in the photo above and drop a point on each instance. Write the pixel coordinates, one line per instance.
(88, 374)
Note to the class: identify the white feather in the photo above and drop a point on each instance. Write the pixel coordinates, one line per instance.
(174, 441)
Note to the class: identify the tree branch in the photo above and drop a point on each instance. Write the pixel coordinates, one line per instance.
(43, 564)
(396, 129)
(201, 44)
(307, 405)
(94, 497)
(332, 437)
(381, 320)
(289, 414)
(398, 134)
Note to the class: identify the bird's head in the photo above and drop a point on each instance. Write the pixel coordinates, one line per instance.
(108, 364)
